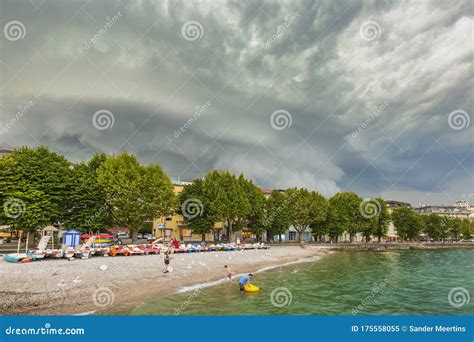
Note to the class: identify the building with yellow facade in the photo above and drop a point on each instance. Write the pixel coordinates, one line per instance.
(175, 226)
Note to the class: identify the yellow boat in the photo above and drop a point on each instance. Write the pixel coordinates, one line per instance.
(102, 240)
(251, 288)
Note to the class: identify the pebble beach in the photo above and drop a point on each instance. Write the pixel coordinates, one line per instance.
(104, 285)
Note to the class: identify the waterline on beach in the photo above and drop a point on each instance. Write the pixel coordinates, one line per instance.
(263, 269)
(86, 313)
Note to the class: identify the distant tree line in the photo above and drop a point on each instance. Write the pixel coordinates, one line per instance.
(39, 187)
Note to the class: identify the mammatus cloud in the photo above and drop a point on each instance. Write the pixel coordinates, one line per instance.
(362, 92)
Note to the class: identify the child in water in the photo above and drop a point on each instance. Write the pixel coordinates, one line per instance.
(166, 258)
(228, 272)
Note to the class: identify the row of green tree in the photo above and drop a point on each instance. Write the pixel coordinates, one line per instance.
(238, 203)
(410, 225)
(39, 187)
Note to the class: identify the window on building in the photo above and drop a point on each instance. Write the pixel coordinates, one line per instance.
(168, 218)
(292, 236)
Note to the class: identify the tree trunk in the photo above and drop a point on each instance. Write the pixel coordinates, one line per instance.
(279, 238)
(31, 238)
(229, 230)
(379, 239)
(351, 237)
(269, 237)
(301, 237)
(238, 236)
(203, 237)
(134, 235)
(27, 241)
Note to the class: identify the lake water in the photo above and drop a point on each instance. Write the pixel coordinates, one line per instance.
(411, 282)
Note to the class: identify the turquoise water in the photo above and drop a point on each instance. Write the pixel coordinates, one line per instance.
(343, 283)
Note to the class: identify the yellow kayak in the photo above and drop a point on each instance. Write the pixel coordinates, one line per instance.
(251, 288)
(102, 240)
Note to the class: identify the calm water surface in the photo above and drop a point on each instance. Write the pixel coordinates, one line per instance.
(383, 283)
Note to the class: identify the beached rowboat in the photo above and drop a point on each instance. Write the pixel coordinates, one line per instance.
(18, 257)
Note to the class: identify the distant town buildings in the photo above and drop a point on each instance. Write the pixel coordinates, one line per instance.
(391, 204)
(463, 204)
(457, 211)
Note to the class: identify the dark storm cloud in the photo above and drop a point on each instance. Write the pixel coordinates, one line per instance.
(368, 86)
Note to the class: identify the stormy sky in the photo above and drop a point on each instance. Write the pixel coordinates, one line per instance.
(374, 97)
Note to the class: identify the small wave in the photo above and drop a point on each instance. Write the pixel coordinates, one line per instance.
(266, 268)
(299, 261)
(86, 313)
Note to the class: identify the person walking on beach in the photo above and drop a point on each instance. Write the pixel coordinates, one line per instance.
(244, 280)
(228, 272)
(166, 258)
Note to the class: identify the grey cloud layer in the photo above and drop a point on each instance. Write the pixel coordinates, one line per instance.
(253, 58)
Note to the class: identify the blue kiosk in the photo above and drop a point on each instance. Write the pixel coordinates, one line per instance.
(72, 238)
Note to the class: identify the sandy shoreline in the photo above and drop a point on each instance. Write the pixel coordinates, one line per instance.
(102, 285)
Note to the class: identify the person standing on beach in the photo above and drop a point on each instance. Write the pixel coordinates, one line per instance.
(244, 280)
(166, 258)
(228, 272)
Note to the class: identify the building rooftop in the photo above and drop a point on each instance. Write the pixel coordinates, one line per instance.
(397, 204)
(182, 183)
(442, 209)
